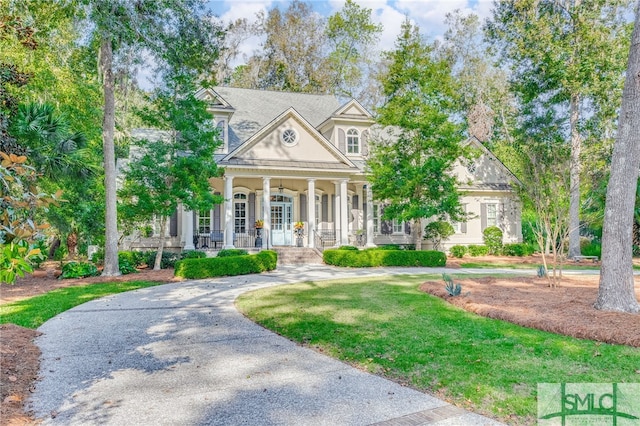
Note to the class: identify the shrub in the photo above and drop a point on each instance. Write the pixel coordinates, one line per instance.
(492, 237)
(135, 258)
(592, 249)
(370, 258)
(168, 260)
(437, 232)
(98, 257)
(451, 288)
(192, 254)
(478, 250)
(210, 267)
(78, 270)
(125, 266)
(232, 252)
(352, 248)
(458, 251)
(60, 253)
(517, 249)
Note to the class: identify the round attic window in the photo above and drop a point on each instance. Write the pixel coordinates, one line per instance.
(289, 137)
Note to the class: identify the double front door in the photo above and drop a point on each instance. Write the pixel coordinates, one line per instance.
(281, 220)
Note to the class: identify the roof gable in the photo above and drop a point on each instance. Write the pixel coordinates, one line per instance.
(486, 170)
(212, 98)
(352, 109)
(267, 146)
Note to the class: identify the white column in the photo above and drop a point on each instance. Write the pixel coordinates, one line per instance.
(336, 213)
(228, 213)
(311, 212)
(266, 211)
(369, 218)
(344, 218)
(187, 228)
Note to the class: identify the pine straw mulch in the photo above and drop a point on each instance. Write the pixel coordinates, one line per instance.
(530, 302)
(19, 356)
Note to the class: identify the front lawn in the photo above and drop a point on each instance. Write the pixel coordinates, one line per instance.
(388, 327)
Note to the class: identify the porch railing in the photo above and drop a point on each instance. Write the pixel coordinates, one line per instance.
(215, 239)
(325, 238)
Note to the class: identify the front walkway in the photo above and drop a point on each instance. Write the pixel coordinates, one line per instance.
(182, 354)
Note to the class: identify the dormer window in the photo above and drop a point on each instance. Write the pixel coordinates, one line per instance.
(221, 130)
(353, 141)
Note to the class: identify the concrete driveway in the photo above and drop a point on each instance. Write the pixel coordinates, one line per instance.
(181, 354)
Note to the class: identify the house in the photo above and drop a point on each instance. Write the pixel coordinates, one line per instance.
(292, 157)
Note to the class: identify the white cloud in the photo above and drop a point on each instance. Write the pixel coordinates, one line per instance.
(244, 9)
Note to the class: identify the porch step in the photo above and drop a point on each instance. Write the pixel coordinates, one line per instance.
(298, 256)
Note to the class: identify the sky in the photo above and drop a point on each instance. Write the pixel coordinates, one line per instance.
(429, 15)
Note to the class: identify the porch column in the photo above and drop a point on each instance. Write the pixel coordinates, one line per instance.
(336, 213)
(228, 213)
(266, 211)
(187, 228)
(311, 212)
(369, 218)
(344, 219)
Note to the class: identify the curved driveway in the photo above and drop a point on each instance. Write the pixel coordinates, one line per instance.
(181, 354)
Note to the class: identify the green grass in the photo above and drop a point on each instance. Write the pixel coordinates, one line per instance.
(388, 327)
(33, 312)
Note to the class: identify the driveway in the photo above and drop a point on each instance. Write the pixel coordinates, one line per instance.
(181, 354)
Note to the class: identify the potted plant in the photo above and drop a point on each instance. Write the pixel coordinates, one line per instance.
(259, 224)
(298, 227)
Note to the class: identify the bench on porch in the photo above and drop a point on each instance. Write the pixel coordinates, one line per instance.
(217, 237)
(580, 258)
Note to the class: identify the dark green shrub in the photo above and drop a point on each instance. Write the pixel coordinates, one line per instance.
(98, 257)
(192, 254)
(60, 253)
(370, 258)
(517, 249)
(352, 248)
(592, 249)
(478, 250)
(437, 232)
(232, 252)
(210, 267)
(79, 270)
(492, 237)
(168, 260)
(451, 288)
(125, 266)
(458, 251)
(135, 258)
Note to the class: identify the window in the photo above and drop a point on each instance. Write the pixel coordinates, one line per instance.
(353, 142)
(318, 210)
(221, 128)
(492, 215)
(240, 213)
(204, 222)
(376, 219)
(289, 137)
(398, 227)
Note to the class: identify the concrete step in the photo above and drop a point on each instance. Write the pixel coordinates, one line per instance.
(298, 256)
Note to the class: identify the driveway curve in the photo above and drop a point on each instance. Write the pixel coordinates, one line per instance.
(181, 354)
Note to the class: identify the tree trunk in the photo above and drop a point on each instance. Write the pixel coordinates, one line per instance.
(616, 291)
(72, 244)
(574, 185)
(417, 233)
(111, 268)
(158, 262)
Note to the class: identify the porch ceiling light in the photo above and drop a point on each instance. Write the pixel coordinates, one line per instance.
(280, 188)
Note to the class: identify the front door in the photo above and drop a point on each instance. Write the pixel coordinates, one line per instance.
(281, 220)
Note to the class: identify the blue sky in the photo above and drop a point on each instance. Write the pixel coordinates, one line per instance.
(428, 14)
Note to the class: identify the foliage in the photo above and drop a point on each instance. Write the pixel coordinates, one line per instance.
(168, 259)
(352, 248)
(60, 253)
(78, 270)
(35, 311)
(135, 258)
(475, 250)
(458, 251)
(192, 254)
(125, 266)
(517, 249)
(232, 252)
(98, 257)
(373, 258)
(592, 249)
(266, 260)
(438, 231)
(388, 326)
(492, 237)
(451, 288)
(410, 164)
(16, 259)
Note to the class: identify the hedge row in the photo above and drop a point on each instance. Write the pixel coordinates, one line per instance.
(369, 258)
(226, 266)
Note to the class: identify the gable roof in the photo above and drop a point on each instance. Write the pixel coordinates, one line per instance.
(487, 152)
(254, 109)
(334, 159)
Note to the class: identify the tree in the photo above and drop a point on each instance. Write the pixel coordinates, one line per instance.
(176, 166)
(155, 28)
(350, 33)
(410, 164)
(616, 291)
(571, 54)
